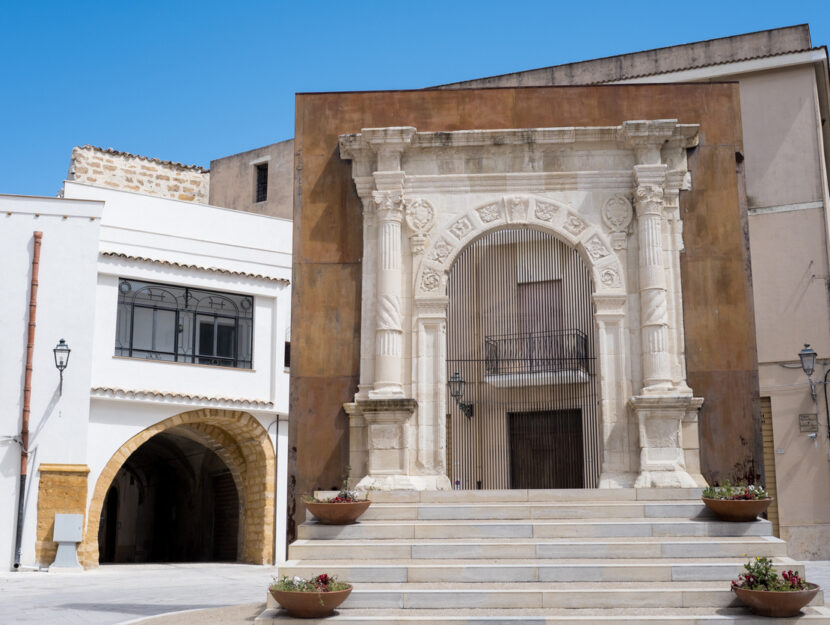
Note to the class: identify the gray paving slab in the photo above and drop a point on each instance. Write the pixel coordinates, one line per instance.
(114, 594)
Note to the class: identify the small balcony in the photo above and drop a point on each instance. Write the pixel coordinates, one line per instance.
(537, 359)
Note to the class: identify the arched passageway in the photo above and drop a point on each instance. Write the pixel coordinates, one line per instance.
(227, 452)
(173, 500)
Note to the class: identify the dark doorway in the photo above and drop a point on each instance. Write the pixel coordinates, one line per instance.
(173, 500)
(546, 449)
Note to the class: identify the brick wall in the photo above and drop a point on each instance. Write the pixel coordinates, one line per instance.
(128, 172)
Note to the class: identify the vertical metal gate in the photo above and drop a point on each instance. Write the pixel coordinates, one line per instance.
(520, 332)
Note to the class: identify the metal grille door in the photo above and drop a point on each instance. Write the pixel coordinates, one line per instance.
(521, 336)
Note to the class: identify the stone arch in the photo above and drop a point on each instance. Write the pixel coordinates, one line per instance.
(550, 216)
(245, 448)
(588, 236)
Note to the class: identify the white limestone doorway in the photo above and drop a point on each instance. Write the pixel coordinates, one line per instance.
(610, 193)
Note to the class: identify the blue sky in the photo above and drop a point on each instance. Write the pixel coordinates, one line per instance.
(194, 81)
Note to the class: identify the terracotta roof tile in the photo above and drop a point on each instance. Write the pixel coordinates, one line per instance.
(171, 263)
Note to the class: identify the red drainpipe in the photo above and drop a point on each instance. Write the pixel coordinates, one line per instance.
(27, 397)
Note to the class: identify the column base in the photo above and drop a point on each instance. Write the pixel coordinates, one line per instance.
(662, 457)
(609, 479)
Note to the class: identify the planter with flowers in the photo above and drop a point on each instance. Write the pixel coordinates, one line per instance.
(312, 598)
(737, 503)
(767, 594)
(343, 508)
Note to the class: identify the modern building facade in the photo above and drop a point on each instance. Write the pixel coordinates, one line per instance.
(167, 429)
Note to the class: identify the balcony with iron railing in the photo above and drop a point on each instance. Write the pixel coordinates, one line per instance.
(537, 358)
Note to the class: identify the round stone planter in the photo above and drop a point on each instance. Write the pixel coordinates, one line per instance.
(310, 604)
(781, 603)
(737, 509)
(338, 513)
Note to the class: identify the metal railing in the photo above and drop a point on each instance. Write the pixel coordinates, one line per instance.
(532, 352)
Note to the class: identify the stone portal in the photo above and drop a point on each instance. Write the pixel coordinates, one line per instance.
(609, 192)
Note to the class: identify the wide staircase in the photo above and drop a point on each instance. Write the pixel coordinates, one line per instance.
(522, 556)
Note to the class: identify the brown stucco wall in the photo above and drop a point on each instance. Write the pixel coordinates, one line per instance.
(720, 332)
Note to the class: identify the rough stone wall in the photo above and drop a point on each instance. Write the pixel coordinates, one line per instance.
(62, 490)
(128, 172)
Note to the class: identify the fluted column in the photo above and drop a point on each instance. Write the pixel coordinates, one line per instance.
(389, 330)
(654, 319)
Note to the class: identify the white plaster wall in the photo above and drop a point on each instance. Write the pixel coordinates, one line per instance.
(66, 295)
(206, 236)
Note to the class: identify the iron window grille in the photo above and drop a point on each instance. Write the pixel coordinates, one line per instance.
(181, 324)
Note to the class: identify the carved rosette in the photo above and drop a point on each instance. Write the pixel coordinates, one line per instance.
(490, 213)
(575, 224)
(430, 280)
(545, 211)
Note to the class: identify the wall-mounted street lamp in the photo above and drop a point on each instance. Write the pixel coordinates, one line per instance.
(61, 352)
(808, 365)
(456, 384)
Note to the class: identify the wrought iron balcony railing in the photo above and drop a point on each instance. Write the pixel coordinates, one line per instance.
(532, 352)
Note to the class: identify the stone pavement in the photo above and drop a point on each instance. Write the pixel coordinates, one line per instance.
(120, 594)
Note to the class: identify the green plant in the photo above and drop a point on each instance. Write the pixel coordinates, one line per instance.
(320, 583)
(739, 492)
(760, 575)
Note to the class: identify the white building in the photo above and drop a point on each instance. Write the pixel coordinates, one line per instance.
(175, 397)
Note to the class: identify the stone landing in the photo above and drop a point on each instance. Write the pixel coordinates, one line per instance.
(569, 556)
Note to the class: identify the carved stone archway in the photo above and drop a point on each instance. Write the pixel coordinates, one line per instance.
(427, 195)
(245, 447)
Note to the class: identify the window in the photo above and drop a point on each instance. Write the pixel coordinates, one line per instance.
(287, 355)
(180, 324)
(261, 189)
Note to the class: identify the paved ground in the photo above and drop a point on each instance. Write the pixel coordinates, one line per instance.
(120, 594)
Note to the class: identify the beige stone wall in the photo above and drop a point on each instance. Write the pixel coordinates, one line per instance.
(128, 172)
(62, 490)
(233, 180)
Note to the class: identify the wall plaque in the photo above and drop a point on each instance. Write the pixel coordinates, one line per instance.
(807, 423)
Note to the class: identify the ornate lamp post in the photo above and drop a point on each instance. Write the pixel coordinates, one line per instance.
(456, 384)
(61, 353)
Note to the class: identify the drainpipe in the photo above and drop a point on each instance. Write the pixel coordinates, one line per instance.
(27, 396)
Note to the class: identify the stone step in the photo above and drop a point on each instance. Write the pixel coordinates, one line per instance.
(814, 615)
(539, 570)
(520, 495)
(537, 528)
(646, 547)
(543, 595)
(536, 510)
